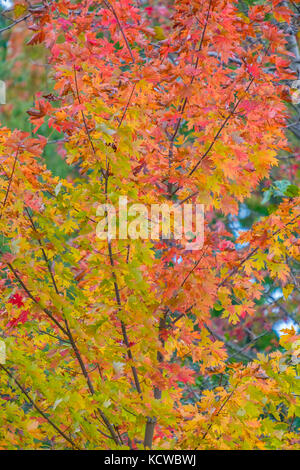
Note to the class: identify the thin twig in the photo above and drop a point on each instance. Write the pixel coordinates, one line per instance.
(38, 409)
(111, 8)
(126, 107)
(25, 288)
(217, 414)
(10, 179)
(229, 344)
(84, 121)
(220, 129)
(11, 25)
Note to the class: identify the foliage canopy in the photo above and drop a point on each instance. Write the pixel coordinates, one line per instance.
(133, 343)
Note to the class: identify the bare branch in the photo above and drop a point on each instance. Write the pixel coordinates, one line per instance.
(11, 25)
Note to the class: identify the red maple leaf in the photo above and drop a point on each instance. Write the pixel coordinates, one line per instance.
(17, 299)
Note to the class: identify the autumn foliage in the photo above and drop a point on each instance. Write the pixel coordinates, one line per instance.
(133, 343)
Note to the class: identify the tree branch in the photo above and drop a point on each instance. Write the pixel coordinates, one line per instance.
(11, 25)
(38, 409)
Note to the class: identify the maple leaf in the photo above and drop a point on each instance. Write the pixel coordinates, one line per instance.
(22, 318)
(37, 38)
(17, 299)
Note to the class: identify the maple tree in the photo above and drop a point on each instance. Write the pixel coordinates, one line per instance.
(133, 343)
